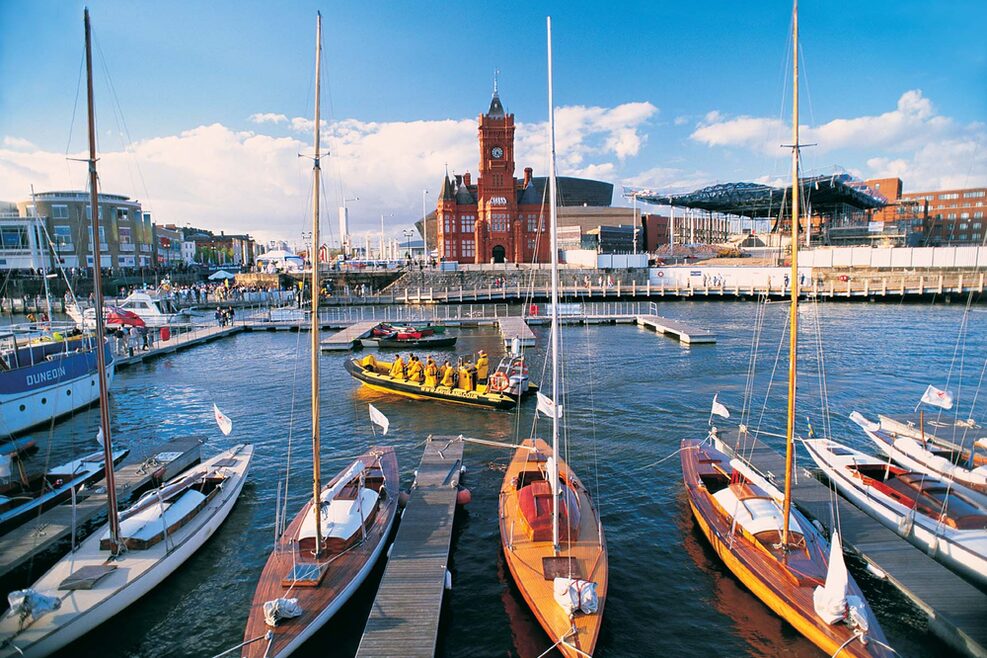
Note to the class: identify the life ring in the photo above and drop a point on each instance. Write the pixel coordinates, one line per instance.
(661, 274)
(499, 382)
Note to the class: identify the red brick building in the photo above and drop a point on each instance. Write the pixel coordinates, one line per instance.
(499, 218)
(941, 217)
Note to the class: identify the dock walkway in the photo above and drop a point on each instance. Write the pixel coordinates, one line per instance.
(956, 609)
(685, 333)
(515, 327)
(346, 338)
(179, 340)
(31, 538)
(404, 620)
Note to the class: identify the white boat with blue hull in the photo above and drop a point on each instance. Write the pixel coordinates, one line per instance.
(44, 378)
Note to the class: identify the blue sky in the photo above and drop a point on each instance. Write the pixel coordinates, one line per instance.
(665, 95)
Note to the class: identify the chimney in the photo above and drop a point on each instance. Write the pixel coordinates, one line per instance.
(527, 176)
(467, 178)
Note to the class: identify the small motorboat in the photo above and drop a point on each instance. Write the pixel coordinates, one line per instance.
(402, 343)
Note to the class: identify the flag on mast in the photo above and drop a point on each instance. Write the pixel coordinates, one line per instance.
(378, 418)
(938, 398)
(547, 406)
(224, 422)
(719, 409)
(99, 437)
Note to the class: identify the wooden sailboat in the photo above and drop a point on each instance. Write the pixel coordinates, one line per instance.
(332, 544)
(774, 550)
(138, 548)
(550, 531)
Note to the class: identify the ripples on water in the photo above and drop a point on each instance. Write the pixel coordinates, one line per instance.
(632, 397)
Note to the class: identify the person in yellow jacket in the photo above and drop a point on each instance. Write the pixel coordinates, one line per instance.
(370, 363)
(466, 377)
(416, 370)
(482, 367)
(447, 375)
(397, 368)
(431, 373)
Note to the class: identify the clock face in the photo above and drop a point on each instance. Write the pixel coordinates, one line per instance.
(497, 152)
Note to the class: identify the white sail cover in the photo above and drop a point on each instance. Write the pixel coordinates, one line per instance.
(28, 603)
(278, 609)
(868, 425)
(830, 601)
(340, 516)
(575, 595)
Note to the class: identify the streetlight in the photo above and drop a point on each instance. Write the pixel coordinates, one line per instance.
(306, 239)
(407, 242)
(425, 253)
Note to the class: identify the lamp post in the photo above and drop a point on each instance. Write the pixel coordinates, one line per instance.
(425, 253)
(407, 242)
(306, 242)
(344, 226)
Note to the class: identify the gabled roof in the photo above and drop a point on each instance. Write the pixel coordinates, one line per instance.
(447, 194)
(464, 197)
(529, 196)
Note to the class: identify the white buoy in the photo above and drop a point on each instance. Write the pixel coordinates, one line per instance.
(448, 580)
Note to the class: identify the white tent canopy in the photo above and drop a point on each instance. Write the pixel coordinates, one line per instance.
(222, 274)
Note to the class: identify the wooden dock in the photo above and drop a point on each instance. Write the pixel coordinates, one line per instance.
(346, 338)
(179, 340)
(404, 621)
(31, 538)
(956, 609)
(515, 327)
(686, 334)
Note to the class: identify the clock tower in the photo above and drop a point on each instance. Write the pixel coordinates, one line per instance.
(496, 195)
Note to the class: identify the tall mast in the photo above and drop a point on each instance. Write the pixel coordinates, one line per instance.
(794, 315)
(555, 297)
(104, 400)
(316, 466)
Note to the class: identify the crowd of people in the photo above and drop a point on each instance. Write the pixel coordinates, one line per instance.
(465, 375)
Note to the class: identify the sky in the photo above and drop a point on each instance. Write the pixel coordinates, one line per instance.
(203, 108)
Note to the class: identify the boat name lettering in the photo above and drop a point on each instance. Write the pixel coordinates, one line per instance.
(46, 376)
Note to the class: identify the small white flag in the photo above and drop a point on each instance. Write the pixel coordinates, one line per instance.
(938, 398)
(547, 406)
(378, 418)
(224, 422)
(99, 436)
(719, 409)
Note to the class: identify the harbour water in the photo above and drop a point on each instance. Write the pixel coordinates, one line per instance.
(632, 396)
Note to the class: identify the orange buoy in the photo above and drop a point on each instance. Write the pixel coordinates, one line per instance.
(463, 496)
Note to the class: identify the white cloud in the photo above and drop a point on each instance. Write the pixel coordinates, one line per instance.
(267, 117)
(18, 144)
(927, 150)
(248, 181)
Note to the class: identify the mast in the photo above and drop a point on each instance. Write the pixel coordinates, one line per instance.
(104, 401)
(316, 466)
(794, 314)
(554, 475)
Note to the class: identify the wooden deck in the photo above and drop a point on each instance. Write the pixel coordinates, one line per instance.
(346, 338)
(516, 327)
(179, 340)
(686, 334)
(956, 609)
(404, 621)
(31, 538)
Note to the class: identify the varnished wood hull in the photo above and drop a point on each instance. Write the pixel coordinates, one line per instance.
(345, 574)
(765, 576)
(524, 557)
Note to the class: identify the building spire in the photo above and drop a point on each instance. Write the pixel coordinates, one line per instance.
(496, 107)
(496, 74)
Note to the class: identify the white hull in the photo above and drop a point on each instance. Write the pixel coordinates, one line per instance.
(340, 600)
(961, 476)
(42, 405)
(963, 551)
(137, 573)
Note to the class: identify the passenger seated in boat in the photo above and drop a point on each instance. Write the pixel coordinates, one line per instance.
(369, 363)
(448, 378)
(397, 368)
(482, 367)
(431, 373)
(465, 378)
(415, 370)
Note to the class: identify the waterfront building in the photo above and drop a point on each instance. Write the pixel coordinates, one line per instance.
(167, 245)
(234, 250)
(942, 217)
(126, 233)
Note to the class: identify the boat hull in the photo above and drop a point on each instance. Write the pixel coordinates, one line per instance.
(524, 556)
(138, 572)
(27, 400)
(885, 442)
(345, 575)
(759, 573)
(409, 343)
(962, 551)
(387, 384)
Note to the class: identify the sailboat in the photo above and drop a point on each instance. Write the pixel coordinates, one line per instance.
(138, 548)
(769, 545)
(550, 530)
(333, 543)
